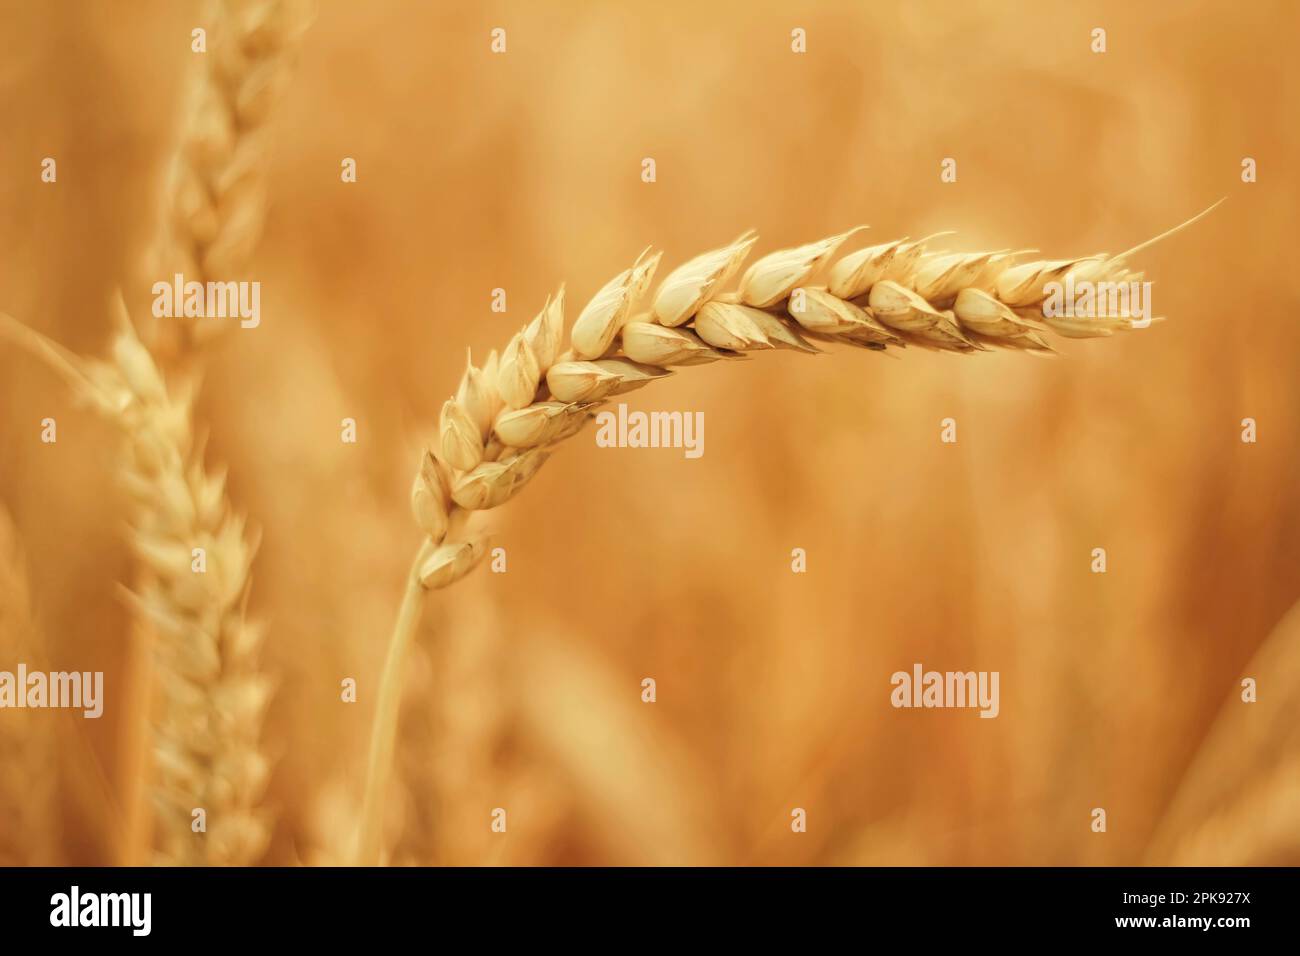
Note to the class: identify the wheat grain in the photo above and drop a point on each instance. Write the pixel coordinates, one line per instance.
(28, 755)
(505, 419)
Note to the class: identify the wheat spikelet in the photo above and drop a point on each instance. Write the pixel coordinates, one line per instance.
(506, 418)
(28, 783)
(216, 189)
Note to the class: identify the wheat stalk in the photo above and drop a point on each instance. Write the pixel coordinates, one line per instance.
(28, 782)
(506, 417)
(1238, 803)
(470, 743)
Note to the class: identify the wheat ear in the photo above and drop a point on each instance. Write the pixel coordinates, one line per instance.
(506, 418)
(213, 694)
(215, 209)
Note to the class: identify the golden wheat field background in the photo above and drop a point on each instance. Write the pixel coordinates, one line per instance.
(522, 170)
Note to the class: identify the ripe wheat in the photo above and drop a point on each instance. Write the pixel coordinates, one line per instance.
(506, 417)
(215, 210)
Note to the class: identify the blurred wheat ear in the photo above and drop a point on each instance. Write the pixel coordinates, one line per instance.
(212, 695)
(215, 205)
(204, 745)
(505, 418)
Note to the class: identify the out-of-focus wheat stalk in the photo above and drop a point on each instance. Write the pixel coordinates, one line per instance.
(28, 755)
(453, 773)
(1239, 801)
(631, 790)
(506, 417)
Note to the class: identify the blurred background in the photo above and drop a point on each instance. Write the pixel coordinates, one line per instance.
(477, 171)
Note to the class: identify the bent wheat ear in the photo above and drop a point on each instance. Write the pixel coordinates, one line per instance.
(874, 299)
